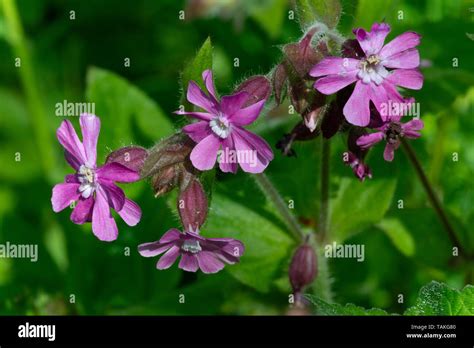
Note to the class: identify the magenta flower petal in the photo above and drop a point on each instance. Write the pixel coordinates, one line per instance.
(411, 128)
(379, 96)
(82, 211)
(170, 236)
(204, 116)
(409, 59)
(333, 83)
(153, 249)
(372, 42)
(209, 263)
(356, 109)
(209, 82)
(401, 43)
(408, 78)
(225, 165)
(369, 140)
(258, 151)
(103, 224)
(116, 172)
(159, 247)
(168, 258)
(63, 195)
(130, 212)
(68, 138)
(189, 263)
(247, 115)
(230, 104)
(72, 160)
(389, 152)
(334, 66)
(114, 194)
(196, 96)
(204, 154)
(198, 130)
(90, 127)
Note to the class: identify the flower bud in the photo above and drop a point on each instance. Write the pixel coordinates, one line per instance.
(170, 151)
(192, 206)
(303, 268)
(302, 56)
(131, 157)
(165, 180)
(279, 79)
(258, 87)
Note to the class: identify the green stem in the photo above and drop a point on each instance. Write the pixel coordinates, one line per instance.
(28, 80)
(324, 198)
(272, 194)
(432, 196)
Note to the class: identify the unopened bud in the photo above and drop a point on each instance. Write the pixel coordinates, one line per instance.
(258, 88)
(302, 56)
(303, 268)
(165, 180)
(279, 79)
(131, 157)
(170, 151)
(192, 206)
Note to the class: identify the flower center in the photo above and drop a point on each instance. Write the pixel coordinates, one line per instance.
(371, 70)
(192, 246)
(220, 125)
(86, 177)
(393, 133)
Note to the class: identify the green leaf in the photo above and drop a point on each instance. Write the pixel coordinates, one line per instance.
(325, 308)
(193, 71)
(358, 205)
(369, 12)
(270, 16)
(118, 103)
(399, 235)
(439, 299)
(266, 244)
(326, 11)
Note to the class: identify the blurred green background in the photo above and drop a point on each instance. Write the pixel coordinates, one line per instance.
(83, 59)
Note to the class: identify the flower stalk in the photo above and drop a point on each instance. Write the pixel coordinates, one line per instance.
(272, 194)
(432, 196)
(324, 205)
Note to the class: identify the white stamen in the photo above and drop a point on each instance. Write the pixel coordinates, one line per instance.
(220, 125)
(192, 246)
(372, 70)
(86, 177)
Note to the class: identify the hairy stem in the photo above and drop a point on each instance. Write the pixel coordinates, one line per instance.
(433, 198)
(272, 194)
(324, 199)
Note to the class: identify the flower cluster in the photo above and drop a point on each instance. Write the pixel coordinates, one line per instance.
(367, 106)
(374, 102)
(177, 161)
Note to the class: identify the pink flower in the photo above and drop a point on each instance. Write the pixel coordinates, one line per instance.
(92, 187)
(377, 73)
(391, 131)
(221, 127)
(208, 254)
